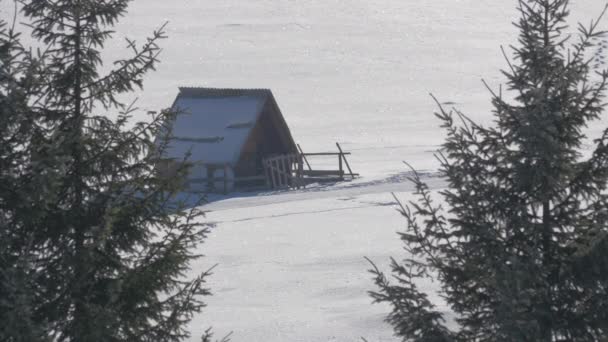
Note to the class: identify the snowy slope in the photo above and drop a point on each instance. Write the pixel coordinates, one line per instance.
(291, 265)
(354, 71)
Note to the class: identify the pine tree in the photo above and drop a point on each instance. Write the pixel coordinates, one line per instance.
(95, 247)
(16, 69)
(520, 251)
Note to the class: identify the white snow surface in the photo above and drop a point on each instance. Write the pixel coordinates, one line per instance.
(210, 118)
(359, 72)
(291, 264)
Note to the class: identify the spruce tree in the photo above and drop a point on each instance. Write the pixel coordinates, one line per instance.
(519, 242)
(16, 293)
(94, 245)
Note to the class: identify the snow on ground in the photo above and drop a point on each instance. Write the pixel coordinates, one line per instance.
(291, 264)
(354, 71)
(359, 72)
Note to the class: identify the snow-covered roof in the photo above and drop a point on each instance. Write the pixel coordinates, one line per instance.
(214, 124)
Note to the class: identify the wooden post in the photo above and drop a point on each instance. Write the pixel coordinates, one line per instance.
(340, 166)
(211, 178)
(278, 172)
(301, 172)
(294, 170)
(284, 166)
(266, 174)
(289, 175)
(209, 175)
(345, 161)
(290, 169)
(285, 171)
(272, 172)
(225, 179)
(304, 157)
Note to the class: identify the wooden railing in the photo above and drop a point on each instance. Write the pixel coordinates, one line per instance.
(280, 171)
(287, 171)
(284, 171)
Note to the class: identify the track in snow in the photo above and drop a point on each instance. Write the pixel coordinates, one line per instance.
(396, 183)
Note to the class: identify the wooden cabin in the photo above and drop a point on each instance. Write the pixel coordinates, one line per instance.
(228, 133)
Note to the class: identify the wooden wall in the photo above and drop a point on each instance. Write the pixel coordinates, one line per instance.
(264, 141)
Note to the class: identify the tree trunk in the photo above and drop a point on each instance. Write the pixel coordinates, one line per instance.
(81, 319)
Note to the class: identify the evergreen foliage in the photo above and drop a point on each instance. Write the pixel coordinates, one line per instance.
(16, 293)
(93, 244)
(521, 252)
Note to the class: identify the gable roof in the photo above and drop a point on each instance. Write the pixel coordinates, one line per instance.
(213, 124)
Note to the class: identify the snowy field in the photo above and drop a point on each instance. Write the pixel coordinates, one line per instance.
(291, 264)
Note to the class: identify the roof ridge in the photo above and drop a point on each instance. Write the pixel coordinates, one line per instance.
(221, 88)
(210, 92)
